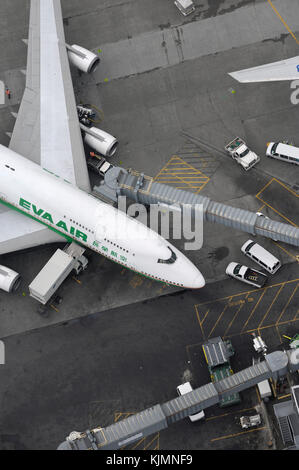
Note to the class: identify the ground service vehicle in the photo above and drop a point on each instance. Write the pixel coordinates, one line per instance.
(250, 421)
(98, 165)
(239, 151)
(284, 152)
(261, 256)
(182, 390)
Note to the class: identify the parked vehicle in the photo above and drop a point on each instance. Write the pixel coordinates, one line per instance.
(185, 6)
(239, 151)
(261, 256)
(247, 275)
(98, 165)
(250, 421)
(182, 390)
(284, 152)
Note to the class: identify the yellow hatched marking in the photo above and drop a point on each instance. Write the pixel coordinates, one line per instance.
(182, 174)
(235, 316)
(258, 196)
(287, 304)
(219, 318)
(272, 303)
(254, 309)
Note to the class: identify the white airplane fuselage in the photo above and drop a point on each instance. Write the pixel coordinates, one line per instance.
(80, 217)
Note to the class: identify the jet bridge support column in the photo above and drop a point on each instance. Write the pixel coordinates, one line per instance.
(145, 190)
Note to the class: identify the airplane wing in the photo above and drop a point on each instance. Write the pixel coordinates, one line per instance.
(19, 233)
(276, 71)
(47, 129)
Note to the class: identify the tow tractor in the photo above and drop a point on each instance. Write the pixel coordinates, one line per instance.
(239, 151)
(250, 421)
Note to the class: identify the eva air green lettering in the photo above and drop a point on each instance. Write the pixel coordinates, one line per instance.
(81, 235)
(25, 204)
(37, 212)
(62, 225)
(48, 217)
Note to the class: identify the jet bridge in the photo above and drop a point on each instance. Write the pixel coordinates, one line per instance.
(158, 417)
(145, 190)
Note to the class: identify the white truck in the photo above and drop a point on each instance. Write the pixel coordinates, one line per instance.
(264, 390)
(239, 151)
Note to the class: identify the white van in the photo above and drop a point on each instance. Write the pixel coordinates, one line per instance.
(284, 152)
(261, 256)
(182, 390)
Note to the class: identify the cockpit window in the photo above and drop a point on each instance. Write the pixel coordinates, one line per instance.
(170, 260)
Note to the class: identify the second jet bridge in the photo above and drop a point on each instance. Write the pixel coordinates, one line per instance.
(158, 417)
(145, 190)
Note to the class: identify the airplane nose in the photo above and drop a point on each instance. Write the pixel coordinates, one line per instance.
(198, 282)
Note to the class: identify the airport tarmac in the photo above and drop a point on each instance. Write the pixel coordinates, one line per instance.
(109, 317)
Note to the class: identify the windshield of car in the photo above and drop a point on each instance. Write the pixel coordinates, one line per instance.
(237, 269)
(273, 150)
(243, 154)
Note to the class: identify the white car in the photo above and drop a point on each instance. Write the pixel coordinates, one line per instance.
(247, 275)
(182, 390)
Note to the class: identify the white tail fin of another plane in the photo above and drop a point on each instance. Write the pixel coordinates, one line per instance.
(276, 71)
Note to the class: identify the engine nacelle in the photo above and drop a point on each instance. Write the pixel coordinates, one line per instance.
(9, 279)
(83, 59)
(99, 140)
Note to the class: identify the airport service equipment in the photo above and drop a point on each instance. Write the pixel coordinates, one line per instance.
(98, 165)
(250, 421)
(217, 353)
(247, 275)
(239, 151)
(183, 389)
(259, 345)
(294, 341)
(50, 278)
(264, 389)
(185, 6)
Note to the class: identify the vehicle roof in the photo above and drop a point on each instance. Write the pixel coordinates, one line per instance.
(261, 253)
(185, 388)
(288, 150)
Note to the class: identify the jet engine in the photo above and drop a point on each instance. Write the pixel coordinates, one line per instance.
(99, 140)
(9, 279)
(83, 59)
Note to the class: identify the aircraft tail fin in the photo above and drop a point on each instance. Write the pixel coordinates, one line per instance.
(276, 71)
